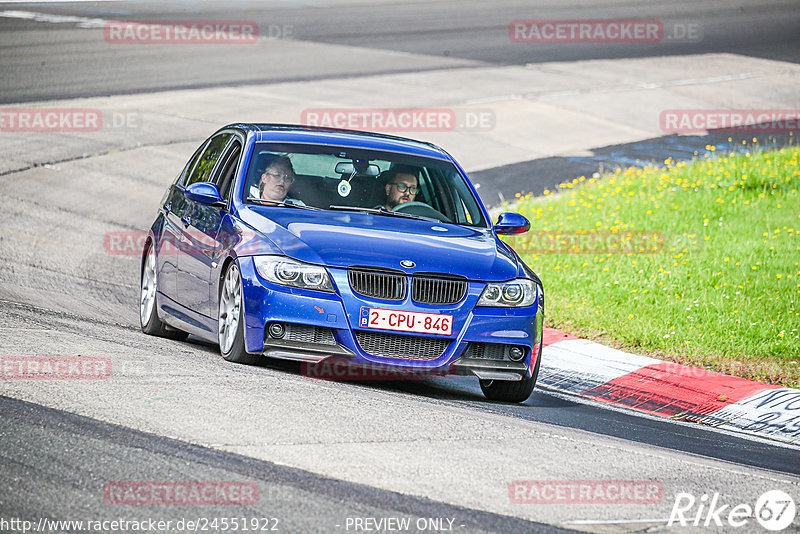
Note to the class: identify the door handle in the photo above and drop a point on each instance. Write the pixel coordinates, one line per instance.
(186, 220)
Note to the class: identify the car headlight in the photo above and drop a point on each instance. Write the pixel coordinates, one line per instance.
(514, 294)
(289, 272)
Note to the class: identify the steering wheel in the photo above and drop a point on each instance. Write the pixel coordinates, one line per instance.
(421, 209)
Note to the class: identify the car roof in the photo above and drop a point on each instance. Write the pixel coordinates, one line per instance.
(294, 133)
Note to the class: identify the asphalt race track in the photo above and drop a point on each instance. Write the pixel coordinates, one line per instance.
(57, 59)
(333, 456)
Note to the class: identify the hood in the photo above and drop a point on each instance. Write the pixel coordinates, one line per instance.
(342, 239)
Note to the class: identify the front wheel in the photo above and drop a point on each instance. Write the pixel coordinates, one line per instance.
(508, 391)
(231, 330)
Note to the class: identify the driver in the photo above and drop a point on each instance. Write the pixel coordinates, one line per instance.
(402, 185)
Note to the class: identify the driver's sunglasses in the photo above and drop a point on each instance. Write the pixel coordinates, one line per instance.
(403, 187)
(286, 178)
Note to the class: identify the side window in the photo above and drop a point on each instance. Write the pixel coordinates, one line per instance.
(189, 166)
(426, 193)
(434, 190)
(205, 165)
(462, 214)
(230, 162)
(467, 209)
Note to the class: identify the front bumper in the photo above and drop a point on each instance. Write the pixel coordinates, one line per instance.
(322, 325)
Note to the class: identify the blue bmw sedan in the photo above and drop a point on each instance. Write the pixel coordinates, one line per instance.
(315, 244)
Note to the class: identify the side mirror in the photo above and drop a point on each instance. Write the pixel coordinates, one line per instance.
(204, 193)
(510, 223)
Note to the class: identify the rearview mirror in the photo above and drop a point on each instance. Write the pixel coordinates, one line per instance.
(360, 167)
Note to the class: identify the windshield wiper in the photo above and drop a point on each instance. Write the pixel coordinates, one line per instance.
(382, 211)
(264, 202)
(356, 208)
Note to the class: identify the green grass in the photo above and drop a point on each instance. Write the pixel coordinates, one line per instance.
(697, 263)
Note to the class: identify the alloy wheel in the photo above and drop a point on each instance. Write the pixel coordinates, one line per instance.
(230, 307)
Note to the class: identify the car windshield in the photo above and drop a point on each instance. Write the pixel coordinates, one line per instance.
(353, 179)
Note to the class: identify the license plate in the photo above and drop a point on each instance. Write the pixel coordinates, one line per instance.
(406, 321)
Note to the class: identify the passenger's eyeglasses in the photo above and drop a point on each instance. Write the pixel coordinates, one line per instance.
(286, 178)
(403, 187)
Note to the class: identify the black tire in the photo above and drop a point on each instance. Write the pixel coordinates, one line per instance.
(148, 309)
(508, 391)
(236, 351)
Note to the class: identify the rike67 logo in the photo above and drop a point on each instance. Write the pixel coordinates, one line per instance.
(774, 510)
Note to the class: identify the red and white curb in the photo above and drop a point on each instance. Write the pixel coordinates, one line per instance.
(594, 371)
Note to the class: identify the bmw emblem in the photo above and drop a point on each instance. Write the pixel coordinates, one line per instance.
(408, 264)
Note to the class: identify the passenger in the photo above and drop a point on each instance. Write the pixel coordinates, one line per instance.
(276, 179)
(402, 185)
